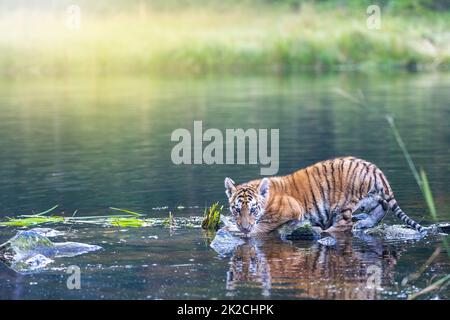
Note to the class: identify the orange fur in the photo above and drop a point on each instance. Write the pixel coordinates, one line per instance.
(325, 192)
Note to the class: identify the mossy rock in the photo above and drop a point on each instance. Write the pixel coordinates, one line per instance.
(296, 230)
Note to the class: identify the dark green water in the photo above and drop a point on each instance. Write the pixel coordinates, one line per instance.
(89, 144)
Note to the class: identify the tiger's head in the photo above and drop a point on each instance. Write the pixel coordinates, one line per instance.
(247, 203)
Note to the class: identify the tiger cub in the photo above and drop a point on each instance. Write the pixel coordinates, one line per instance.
(329, 194)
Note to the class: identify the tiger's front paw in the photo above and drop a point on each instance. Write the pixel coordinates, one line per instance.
(360, 216)
(363, 224)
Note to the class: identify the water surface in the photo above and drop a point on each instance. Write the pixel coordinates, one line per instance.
(88, 144)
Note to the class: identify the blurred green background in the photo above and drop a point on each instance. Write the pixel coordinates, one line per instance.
(211, 36)
(90, 92)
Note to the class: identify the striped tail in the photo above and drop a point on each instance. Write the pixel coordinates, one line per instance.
(403, 216)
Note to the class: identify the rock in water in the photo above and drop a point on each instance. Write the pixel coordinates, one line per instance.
(29, 250)
(225, 242)
(394, 232)
(296, 230)
(33, 263)
(327, 241)
(443, 227)
(48, 232)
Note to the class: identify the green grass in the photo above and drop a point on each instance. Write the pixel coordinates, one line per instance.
(126, 211)
(27, 222)
(169, 221)
(238, 39)
(437, 285)
(129, 219)
(421, 178)
(422, 182)
(32, 219)
(211, 217)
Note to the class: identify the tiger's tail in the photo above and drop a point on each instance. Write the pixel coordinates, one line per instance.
(404, 217)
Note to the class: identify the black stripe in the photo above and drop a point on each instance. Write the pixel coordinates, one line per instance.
(334, 181)
(385, 185)
(324, 204)
(346, 193)
(352, 178)
(295, 185)
(326, 176)
(379, 204)
(349, 169)
(374, 174)
(341, 172)
(363, 179)
(312, 192)
(290, 206)
(369, 184)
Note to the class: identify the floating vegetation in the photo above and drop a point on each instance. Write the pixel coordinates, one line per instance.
(211, 217)
(126, 222)
(128, 219)
(169, 221)
(424, 186)
(127, 211)
(437, 285)
(33, 219)
(26, 222)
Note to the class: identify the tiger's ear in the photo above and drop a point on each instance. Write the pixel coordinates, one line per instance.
(229, 187)
(263, 187)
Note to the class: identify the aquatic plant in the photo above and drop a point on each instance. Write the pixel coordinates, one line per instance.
(422, 182)
(127, 211)
(211, 217)
(32, 219)
(169, 221)
(439, 284)
(421, 178)
(129, 219)
(125, 222)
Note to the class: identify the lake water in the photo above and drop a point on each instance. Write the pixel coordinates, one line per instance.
(89, 144)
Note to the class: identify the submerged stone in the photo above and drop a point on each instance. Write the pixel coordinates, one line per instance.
(225, 242)
(34, 262)
(394, 232)
(48, 232)
(296, 230)
(29, 250)
(327, 241)
(443, 227)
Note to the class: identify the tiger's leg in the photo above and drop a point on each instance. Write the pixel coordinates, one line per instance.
(373, 210)
(342, 222)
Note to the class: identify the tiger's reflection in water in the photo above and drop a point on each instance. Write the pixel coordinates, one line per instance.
(352, 269)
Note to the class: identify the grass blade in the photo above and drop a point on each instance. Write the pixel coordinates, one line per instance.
(127, 211)
(40, 213)
(428, 195)
(406, 154)
(435, 285)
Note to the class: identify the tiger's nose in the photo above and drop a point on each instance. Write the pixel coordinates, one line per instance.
(245, 229)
